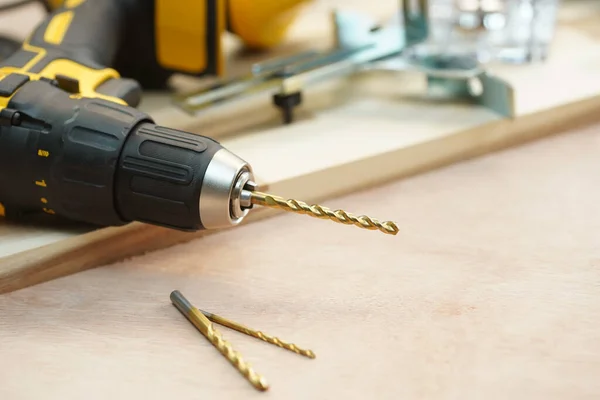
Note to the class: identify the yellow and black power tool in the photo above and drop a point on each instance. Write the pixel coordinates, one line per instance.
(150, 40)
(72, 142)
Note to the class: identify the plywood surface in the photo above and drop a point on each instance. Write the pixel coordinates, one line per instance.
(489, 291)
(351, 135)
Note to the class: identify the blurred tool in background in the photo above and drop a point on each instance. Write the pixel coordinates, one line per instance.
(450, 41)
(156, 39)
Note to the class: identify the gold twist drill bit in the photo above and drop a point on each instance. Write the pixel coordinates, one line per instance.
(317, 211)
(204, 325)
(257, 334)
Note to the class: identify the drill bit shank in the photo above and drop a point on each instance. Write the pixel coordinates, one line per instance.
(317, 211)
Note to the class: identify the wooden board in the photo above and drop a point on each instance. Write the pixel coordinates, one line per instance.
(353, 134)
(489, 291)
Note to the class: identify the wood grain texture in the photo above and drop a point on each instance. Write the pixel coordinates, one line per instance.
(352, 135)
(489, 291)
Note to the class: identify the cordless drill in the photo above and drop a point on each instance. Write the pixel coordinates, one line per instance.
(73, 143)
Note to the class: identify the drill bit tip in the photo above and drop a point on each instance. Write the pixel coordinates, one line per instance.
(317, 211)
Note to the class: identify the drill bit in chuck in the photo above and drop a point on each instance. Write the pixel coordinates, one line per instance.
(317, 211)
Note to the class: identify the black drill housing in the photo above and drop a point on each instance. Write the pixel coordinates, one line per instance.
(97, 161)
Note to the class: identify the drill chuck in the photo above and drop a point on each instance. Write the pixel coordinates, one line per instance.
(179, 180)
(96, 161)
(220, 202)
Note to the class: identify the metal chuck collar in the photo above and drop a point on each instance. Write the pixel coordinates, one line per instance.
(224, 199)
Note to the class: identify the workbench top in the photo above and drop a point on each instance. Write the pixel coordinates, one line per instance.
(490, 290)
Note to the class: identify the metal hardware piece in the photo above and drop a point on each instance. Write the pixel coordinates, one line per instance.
(205, 327)
(459, 78)
(361, 46)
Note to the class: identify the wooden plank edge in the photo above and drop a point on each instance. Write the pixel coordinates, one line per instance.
(440, 152)
(88, 251)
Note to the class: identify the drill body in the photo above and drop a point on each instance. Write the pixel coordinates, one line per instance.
(72, 142)
(104, 163)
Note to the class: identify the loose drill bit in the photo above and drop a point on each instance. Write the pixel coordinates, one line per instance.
(204, 325)
(257, 334)
(317, 211)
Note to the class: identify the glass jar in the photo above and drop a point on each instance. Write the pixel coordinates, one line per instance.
(513, 31)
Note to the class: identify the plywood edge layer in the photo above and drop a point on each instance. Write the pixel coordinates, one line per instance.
(112, 244)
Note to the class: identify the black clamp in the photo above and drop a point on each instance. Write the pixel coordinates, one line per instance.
(286, 102)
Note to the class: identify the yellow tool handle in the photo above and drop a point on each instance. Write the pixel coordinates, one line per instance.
(76, 45)
(162, 37)
(149, 40)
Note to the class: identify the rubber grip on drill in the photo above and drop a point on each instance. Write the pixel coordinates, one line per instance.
(84, 37)
(160, 176)
(61, 154)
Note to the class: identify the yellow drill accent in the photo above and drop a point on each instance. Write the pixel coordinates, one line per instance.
(57, 27)
(3, 100)
(2, 210)
(89, 78)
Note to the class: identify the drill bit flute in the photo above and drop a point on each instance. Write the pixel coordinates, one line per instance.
(317, 211)
(202, 321)
(205, 327)
(249, 196)
(257, 334)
